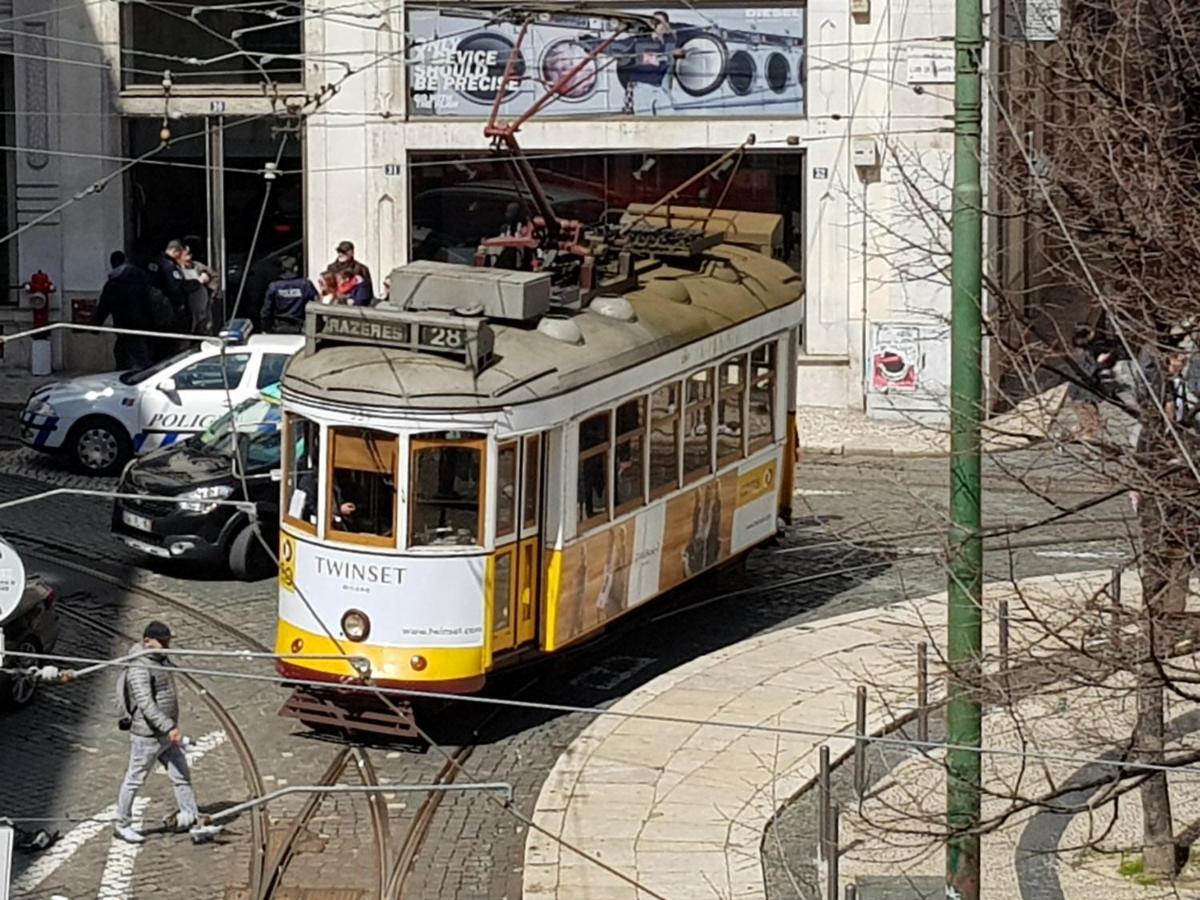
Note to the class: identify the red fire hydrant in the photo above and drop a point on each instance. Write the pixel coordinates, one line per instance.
(40, 287)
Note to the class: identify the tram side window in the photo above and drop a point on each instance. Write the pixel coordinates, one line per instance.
(762, 396)
(362, 500)
(697, 426)
(595, 442)
(447, 483)
(628, 466)
(302, 463)
(729, 410)
(664, 440)
(506, 490)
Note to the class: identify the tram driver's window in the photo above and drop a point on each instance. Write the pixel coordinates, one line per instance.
(697, 426)
(595, 444)
(729, 410)
(301, 466)
(362, 493)
(447, 482)
(629, 457)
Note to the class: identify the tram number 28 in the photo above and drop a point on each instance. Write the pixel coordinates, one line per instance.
(439, 336)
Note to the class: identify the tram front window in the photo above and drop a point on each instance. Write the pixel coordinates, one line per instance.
(447, 471)
(362, 502)
(301, 462)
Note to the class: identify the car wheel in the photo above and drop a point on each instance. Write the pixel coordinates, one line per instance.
(19, 688)
(99, 446)
(248, 558)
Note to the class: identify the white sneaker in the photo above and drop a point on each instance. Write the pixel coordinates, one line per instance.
(129, 834)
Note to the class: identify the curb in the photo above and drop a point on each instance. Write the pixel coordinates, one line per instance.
(875, 452)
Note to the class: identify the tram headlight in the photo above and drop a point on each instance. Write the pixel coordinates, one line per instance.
(355, 625)
(208, 493)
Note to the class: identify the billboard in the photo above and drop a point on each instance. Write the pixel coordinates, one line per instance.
(697, 61)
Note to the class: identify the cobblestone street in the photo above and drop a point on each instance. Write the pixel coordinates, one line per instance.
(865, 535)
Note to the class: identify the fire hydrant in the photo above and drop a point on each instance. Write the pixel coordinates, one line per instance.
(39, 288)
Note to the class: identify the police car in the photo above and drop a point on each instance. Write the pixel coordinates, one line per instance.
(99, 421)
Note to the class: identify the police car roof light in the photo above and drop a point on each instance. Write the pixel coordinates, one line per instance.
(238, 331)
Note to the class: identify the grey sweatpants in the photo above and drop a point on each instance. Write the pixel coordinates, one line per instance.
(143, 751)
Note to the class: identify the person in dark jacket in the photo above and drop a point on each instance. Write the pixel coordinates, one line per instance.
(152, 704)
(126, 298)
(352, 289)
(346, 261)
(168, 298)
(284, 307)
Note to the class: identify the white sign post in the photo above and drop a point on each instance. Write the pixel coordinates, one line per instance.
(6, 849)
(12, 588)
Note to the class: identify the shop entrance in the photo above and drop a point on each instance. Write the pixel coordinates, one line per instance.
(207, 189)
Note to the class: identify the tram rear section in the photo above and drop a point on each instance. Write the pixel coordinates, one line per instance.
(493, 464)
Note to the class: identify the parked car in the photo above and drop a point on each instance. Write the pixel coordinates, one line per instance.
(100, 421)
(30, 628)
(234, 458)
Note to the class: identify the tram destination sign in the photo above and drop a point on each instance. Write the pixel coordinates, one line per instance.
(467, 339)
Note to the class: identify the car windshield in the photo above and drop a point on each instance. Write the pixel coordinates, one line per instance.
(257, 421)
(140, 375)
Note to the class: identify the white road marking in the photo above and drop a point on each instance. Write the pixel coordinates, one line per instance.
(1079, 554)
(49, 862)
(815, 492)
(117, 881)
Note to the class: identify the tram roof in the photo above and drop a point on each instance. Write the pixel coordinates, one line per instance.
(674, 307)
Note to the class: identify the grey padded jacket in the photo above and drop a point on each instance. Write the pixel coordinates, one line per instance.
(152, 696)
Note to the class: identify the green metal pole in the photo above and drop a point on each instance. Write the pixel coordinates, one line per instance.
(965, 638)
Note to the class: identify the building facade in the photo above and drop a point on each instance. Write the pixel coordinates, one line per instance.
(365, 122)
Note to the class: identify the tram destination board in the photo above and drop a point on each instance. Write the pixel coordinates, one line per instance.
(467, 339)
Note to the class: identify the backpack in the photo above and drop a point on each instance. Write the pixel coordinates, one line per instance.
(125, 709)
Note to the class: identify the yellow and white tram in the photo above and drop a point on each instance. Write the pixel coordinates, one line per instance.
(486, 467)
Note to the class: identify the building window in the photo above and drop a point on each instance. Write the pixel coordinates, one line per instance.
(506, 490)
(362, 490)
(595, 442)
(301, 462)
(629, 469)
(447, 482)
(697, 426)
(762, 396)
(664, 440)
(730, 410)
(156, 36)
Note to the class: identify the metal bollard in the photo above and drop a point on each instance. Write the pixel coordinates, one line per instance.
(1003, 635)
(922, 692)
(823, 802)
(832, 853)
(860, 742)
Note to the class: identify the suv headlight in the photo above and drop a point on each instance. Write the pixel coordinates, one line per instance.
(201, 494)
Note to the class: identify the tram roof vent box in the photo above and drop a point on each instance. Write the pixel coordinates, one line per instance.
(495, 293)
(469, 340)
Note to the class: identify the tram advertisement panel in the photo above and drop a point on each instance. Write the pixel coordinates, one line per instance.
(411, 601)
(618, 568)
(727, 60)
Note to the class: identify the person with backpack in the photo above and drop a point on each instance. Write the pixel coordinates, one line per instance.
(149, 707)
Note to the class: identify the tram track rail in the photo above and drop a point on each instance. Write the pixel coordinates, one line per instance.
(255, 783)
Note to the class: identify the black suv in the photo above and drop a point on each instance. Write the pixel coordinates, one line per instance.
(203, 475)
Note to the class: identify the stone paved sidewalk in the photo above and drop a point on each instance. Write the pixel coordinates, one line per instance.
(681, 808)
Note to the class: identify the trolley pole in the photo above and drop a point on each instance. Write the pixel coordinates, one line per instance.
(965, 576)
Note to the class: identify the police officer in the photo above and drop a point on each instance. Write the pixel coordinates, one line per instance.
(284, 307)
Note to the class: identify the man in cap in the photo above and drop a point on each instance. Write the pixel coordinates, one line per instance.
(151, 709)
(285, 305)
(346, 262)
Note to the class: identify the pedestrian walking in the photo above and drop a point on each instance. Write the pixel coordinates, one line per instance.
(150, 712)
(287, 299)
(1084, 388)
(346, 261)
(126, 298)
(352, 289)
